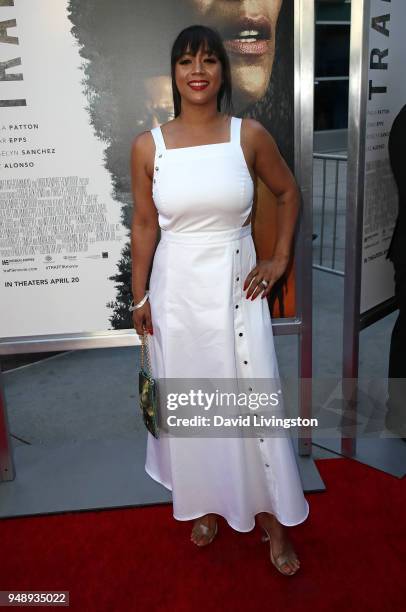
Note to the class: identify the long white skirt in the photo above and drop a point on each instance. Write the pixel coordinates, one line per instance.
(204, 327)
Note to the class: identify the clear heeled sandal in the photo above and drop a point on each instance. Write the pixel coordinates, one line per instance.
(203, 530)
(282, 559)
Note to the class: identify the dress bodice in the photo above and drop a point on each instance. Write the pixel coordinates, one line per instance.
(204, 187)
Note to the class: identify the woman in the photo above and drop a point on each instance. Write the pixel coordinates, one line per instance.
(193, 178)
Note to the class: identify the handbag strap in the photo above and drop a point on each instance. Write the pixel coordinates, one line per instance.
(144, 349)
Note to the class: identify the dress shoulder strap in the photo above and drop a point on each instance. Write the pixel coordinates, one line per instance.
(158, 138)
(236, 130)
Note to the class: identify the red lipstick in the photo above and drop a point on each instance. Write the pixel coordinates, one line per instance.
(198, 85)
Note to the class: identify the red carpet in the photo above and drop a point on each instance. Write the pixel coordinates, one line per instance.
(352, 549)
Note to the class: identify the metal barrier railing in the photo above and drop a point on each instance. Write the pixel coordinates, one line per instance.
(329, 203)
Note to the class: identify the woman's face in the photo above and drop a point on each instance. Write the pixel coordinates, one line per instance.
(248, 29)
(198, 77)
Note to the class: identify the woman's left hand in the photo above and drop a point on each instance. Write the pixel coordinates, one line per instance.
(269, 270)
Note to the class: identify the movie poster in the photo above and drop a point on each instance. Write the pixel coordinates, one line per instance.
(79, 79)
(386, 95)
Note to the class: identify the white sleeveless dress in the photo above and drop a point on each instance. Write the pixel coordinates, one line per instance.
(204, 327)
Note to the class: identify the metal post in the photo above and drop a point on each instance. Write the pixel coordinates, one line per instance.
(323, 212)
(304, 94)
(354, 217)
(335, 214)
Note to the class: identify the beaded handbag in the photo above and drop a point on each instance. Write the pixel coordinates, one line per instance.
(148, 392)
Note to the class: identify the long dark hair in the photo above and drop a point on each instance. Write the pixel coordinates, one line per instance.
(191, 39)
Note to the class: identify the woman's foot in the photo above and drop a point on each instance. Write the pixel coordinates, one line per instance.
(282, 553)
(204, 530)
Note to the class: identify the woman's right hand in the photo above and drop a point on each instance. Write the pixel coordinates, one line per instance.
(142, 319)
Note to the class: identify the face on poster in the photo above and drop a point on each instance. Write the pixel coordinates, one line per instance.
(94, 74)
(386, 95)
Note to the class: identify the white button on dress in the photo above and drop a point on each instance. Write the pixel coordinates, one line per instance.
(204, 327)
